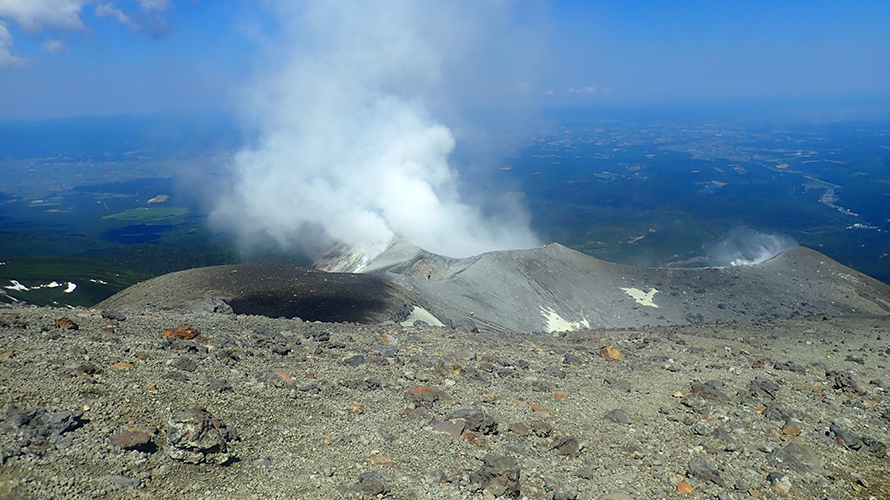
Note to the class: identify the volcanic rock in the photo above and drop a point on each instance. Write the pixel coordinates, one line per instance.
(134, 438)
(311, 424)
(499, 475)
(699, 469)
(194, 436)
(369, 485)
(66, 323)
(37, 430)
(475, 420)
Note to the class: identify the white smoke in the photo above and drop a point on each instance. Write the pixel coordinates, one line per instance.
(746, 247)
(347, 144)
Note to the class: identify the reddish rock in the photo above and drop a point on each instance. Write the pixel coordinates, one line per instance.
(612, 353)
(538, 408)
(183, 332)
(284, 376)
(66, 323)
(133, 438)
(421, 395)
(791, 430)
(474, 438)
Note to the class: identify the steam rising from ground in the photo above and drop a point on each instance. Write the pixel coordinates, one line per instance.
(746, 247)
(349, 151)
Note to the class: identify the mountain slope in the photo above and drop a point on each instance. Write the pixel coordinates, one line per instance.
(555, 288)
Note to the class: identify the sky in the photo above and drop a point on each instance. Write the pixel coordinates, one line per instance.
(67, 58)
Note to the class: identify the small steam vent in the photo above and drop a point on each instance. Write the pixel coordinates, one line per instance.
(341, 259)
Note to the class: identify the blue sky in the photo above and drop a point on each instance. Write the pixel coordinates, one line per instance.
(63, 58)
(723, 50)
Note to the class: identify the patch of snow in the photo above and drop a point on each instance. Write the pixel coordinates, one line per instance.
(99, 281)
(18, 287)
(421, 314)
(556, 323)
(642, 298)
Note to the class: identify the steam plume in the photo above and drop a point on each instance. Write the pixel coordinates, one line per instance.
(348, 149)
(746, 247)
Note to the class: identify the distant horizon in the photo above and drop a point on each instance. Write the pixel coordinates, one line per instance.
(171, 124)
(844, 106)
(83, 58)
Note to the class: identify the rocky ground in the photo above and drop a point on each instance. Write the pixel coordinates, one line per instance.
(218, 406)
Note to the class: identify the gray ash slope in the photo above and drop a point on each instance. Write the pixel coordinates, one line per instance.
(556, 288)
(546, 289)
(271, 289)
(254, 407)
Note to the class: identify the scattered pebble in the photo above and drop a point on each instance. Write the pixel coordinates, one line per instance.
(235, 406)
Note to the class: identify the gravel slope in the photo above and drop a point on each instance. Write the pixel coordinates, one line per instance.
(293, 409)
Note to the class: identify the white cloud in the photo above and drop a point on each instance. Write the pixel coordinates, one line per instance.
(53, 45)
(157, 5)
(35, 15)
(6, 57)
(548, 92)
(109, 11)
(583, 90)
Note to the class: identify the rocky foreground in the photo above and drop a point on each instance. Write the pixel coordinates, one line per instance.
(218, 406)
